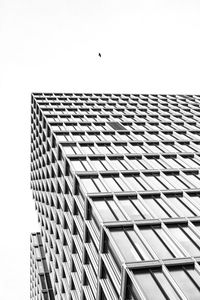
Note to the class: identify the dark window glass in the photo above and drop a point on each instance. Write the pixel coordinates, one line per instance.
(116, 126)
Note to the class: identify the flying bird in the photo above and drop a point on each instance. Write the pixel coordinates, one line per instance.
(99, 54)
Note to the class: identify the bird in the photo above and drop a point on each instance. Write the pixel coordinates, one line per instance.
(99, 54)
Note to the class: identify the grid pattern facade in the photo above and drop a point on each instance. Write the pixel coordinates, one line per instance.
(116, 183)
(40, 283)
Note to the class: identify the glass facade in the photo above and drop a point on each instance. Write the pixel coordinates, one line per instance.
(116, 184)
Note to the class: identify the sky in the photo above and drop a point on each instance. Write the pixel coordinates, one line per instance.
(146, 46)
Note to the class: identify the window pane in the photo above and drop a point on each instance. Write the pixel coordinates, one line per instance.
(117, 165)
(180, 207)
(184, 235)
(166, 285)
(97, 165)
(154, 163)
(99, 185)
(105, 150)
(137, 149)
(191, 162)
(115, 210)
(112, 184)
(132, 208)
(126, 248)
(130, 245)
(174, 180)
(189, 288)
(155, 183)
(77, 165)
(172, 162)
(195, 200)
(68, 150)
(122, 184)
(104, 211)
(139, 245)
(137, 164)
(155, 206)
(158, 245)
(89, 185)
(134, 184)
(121, 149)
(194, 179)
(86, 165)
(149, 286)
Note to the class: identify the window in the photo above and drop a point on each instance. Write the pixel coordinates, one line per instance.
(88, 149)
(119, 163)
(137, 163)
(81, 165)
(116, 126)
(158, 207)
(156, 182)
(188, 279)
(106, 149)
(115, 183)
(155, 162)
(155, 148)
(85, 126)
(185, 236)
(71, 149)
(176, 180)
(194, 179)
(155, 285)
(138, 148)
(179, 205)
(94, 136)
(129, 244)
(125, 136)
(100, 126)
(136, 183)
(123, 148)
(108, 210)
(160, 242)
(72, 126)
(197, 225)
(191, 162)
(186, 147)
(152, 136)
(77, 137)
(173, 162)
(100, 164)
(62, 137)
(195, 199)
(134, 209)
(93, 185)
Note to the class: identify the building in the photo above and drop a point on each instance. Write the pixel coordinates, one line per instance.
(116, 184)
(40, 282)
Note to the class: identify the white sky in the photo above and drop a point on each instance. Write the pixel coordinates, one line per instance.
(146, 46)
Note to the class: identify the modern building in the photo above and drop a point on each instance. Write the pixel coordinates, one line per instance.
(116, 184)
(40, 282)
